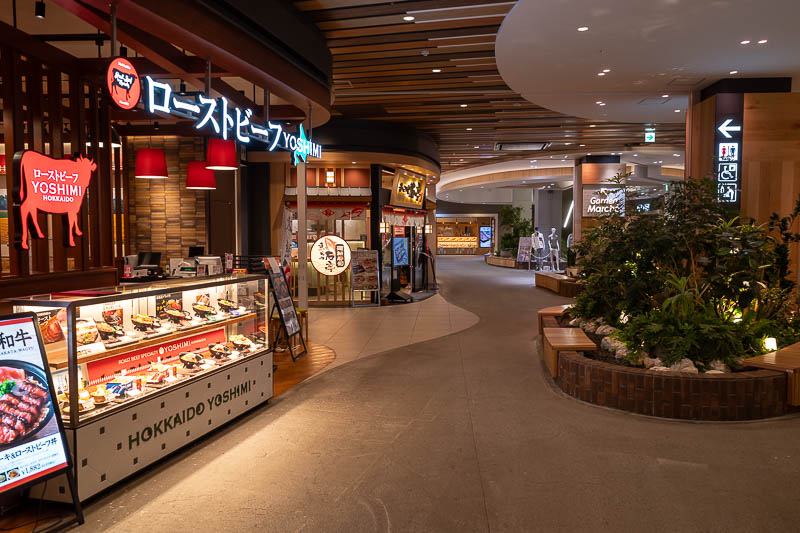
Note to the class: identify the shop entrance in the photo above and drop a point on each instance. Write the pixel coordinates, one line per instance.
(404, 260)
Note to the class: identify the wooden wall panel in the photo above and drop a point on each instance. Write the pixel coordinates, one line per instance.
(165, 216)
(701, 151)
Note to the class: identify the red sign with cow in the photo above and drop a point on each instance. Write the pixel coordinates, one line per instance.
(123, 82)
(55, 186)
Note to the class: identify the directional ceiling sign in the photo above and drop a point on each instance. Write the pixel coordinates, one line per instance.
(650, 136)
(728, 147)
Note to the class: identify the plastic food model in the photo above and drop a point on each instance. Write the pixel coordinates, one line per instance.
(226, 305)
(203, 310)
(240, 342)
(144, 322)
(218, 351)
(191, 360)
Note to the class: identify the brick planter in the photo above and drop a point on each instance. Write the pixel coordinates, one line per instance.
(747, 395)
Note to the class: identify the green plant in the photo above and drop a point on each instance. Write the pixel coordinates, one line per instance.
(515, 226)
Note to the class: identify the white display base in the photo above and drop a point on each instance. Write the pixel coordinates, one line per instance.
(113, 447)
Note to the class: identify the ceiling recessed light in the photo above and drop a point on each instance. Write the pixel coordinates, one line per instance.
(606, 70)
(436, 70)
(601, 73)
(734, 72)
(602, 104)
(635, 155)
(592, 125)
(762, 41)
(534, 160)
(590, 153)
(583, 145)
(664, 96)
(463, 105)
(352, 162)
(677, 110)
(583, 28)
(476, 146)
(746, 41)
(469, 129)
(567, 144)
(408, 18)
(599, 102)
(677, 155)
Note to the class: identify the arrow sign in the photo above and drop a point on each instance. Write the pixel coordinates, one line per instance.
(725, 127)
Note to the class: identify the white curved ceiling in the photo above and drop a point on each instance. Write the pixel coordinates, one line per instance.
(651, 47)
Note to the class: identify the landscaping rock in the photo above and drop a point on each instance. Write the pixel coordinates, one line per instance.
(650, 362)
(714, 372)
(576, 322)
(718, 365)
(605, 330)
(684, 365)
(621, 352)
(589, 326)
(660, 369)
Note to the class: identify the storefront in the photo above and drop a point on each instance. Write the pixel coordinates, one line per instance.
(465, 235)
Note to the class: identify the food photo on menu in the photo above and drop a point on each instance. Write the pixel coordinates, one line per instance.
(30, 441)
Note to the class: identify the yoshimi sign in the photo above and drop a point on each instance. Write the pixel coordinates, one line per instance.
(56, 186)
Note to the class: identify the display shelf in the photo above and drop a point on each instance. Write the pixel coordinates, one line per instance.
(58, 359)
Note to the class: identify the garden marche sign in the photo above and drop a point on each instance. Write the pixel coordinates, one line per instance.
(226, 120)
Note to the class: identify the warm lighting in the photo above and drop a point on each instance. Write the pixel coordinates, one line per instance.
(39, 9)
(762, 41)
(745, 42)
(583, 28)
(408, 18)
(428, 228)
(664, 96)
(606, 70)
(734, 72)
(469, 129)
(199, 177)
(601, 73)
(436, 70)
(330, 177)
(384, 227)
(151, 163)
(770, 344)
(463, 105)
(221, 155)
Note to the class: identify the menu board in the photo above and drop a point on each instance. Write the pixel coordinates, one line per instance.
(400, 248)
(32, 440)
(524, 250)
(280, 290)
(364, 270)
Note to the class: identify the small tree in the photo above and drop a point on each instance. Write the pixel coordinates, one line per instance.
(512, 226)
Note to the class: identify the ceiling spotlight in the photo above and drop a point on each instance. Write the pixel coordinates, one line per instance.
(463, 105)
(677, 110)
(599, 102)
(534, 160)
(676, 155)
(606, 70)
(476, 146)
(39, 9)
(745, 42)
(436, 70)
(583, 28)
(352, 162)
(592, 125)
(602, 104)
(408, 18)
(469, 129)
(762, 41)
(601, 73)
(734, 72)
(583, 145)
(635, 155)
(664, 96)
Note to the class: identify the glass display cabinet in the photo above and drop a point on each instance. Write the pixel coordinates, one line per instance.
(142, 370)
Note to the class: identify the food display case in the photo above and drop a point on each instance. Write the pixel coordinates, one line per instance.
(141, 371)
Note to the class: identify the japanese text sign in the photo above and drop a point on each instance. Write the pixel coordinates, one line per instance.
(330, 255)
(408, 190)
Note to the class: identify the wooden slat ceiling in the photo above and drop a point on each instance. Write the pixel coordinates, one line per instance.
(383, 70)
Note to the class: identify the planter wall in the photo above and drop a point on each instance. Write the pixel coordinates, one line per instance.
(738, 396)
(508, 262)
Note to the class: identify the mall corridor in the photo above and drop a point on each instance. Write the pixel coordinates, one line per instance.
(464, 433)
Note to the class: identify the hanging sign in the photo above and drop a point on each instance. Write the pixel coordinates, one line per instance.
(330, 255)
(123, 83)
(408, 190)
(55, 186)
(226, 120)
(32, 439)
(728, 147)
(649, 135)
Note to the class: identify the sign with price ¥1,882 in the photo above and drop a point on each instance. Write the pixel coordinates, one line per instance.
(32, 440)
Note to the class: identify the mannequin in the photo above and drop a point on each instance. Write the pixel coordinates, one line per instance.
(537, 245)
(555, 249)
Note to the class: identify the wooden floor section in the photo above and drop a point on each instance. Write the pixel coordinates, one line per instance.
(291, 373)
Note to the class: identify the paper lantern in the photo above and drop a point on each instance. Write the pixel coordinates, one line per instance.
(221, 155)
(200, 177)
(151, 163)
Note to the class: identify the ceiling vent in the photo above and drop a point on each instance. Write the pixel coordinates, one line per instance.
(685, 81)
(520, 147)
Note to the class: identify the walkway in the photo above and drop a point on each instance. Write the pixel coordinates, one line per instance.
(464, 433)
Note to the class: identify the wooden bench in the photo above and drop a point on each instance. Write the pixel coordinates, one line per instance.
(549, 280)
(556, 340)
(554, 311)
(784, 360)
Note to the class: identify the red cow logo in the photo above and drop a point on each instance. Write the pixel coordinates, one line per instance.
(55, 186)
(123, 83)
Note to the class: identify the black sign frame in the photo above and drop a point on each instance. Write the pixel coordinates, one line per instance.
(69, 468)
(729, 132)
(277, 281)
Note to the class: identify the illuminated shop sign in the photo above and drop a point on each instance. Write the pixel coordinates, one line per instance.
(330, 255)
(123, 82)
(55, 186)
(226, 120)
(728, 147)
(603, 202)
(408, 190)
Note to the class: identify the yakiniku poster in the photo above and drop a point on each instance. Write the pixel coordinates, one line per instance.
(31, 437)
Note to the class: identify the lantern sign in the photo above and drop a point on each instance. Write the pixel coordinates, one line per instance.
(330, 255)
(124, 85)
(55, 186)
(408, 190)
(226, 120)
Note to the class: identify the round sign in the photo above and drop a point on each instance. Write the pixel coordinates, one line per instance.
(330, 255)
(123, 83)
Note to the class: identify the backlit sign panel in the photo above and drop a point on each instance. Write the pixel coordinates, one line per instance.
(56, 186)
(728, 147)
(408, 190)
(603, 202)
(123, 82)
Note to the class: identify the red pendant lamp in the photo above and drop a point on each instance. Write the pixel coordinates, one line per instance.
(221, 155)
(151, 163)
(200, 177)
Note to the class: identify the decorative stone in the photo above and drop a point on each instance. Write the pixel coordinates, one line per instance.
(650, 362)
(684, 365)
(576, 322)
(621, 352)
(660, 369)
(605, 330)
(714, 372)
(718, 365)
(589, 326)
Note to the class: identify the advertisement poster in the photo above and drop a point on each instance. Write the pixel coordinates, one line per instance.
(485, 237)
(400, 247)
(524, 250)
(168, 301)
(364, 270)
(31, 441)
(283, 297)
